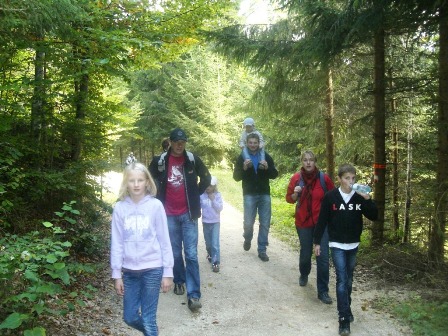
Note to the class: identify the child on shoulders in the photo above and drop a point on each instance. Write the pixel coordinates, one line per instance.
(249, 127)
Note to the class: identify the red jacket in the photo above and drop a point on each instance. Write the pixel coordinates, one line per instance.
(304, 218)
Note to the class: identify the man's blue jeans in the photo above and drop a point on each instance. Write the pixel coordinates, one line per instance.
(344, 263)
(262, 203)
(141, 297)
(322, 261)
(211, 237)
(184, 231)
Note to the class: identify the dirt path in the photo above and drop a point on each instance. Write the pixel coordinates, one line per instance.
(250, 297)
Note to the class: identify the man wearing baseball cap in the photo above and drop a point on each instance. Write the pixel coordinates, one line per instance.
(177, 174)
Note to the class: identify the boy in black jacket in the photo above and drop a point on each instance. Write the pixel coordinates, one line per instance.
(342, 212)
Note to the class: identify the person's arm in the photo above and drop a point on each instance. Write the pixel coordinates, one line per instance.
(116, 251)
(217, 203)
(328, 182)
(203, 174)
(322, 222)
(238, 169)
(271, 171)
(162, 233)
(292, 193)
(154, 167)
(369, 208)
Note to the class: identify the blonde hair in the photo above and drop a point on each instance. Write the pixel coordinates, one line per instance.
(310, 153)
(151, 188)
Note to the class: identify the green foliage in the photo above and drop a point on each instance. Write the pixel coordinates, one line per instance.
(35, 275)
(425, 318)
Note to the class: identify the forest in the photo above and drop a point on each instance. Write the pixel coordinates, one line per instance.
(84, 83)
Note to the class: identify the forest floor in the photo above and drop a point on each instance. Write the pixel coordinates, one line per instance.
(247, 297)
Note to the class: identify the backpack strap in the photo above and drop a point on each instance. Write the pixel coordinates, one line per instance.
(301, 184)
(161, 162)
(322, 181)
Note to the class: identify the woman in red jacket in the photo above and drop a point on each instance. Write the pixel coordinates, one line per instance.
(308, 187)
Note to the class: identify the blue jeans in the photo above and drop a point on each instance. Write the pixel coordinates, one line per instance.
(262, 203)
(211, 237)
(344, 263)
(141, 297)
(322, 261)
(184, 231)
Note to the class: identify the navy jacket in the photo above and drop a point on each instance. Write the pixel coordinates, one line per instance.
(191, 173)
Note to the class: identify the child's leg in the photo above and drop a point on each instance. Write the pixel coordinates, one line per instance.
(245, 153)
(132, 300)
(215, 243)
(344, 261)
(262, 154)
(150, 292)
(206, 229)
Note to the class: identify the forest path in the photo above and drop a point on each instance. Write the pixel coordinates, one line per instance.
(248, 297)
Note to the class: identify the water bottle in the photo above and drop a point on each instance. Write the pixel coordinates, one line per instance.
(362, 188)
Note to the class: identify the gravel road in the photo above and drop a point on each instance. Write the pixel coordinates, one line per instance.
(247, 297)
(251, 297)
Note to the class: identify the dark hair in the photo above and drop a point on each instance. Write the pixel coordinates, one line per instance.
(165, 144)
(346, 168)
(253, 136)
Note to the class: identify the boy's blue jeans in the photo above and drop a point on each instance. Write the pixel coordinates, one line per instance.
(322, 261)
(211, 237)
(344, 263)
(262, 203)
(184, 231)
(141, 297)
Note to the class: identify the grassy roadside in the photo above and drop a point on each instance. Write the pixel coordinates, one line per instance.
(425, 310)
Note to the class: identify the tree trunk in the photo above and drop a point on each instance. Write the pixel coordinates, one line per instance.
(437, 234)
(407, 210)
(329, 131)
(38, 100)
(380, 142)
(395, 160)
(395, 217)
(81, 92)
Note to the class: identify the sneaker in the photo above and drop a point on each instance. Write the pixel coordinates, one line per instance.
(209, 258)
(344, 327)
(246, 245)
(325, 298)
(194, 304)
(263, 256)
(179, 289)
(303, 280)
(215, 268)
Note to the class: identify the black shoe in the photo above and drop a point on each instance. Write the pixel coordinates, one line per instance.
(303, 280)
(246, 245)
(325, 298)
(263, 256)
(344, 327)
(194, 304)
(215, 268)
(209, 258)
(179, 289)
